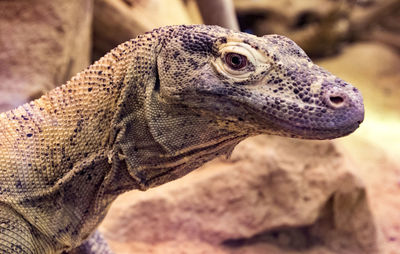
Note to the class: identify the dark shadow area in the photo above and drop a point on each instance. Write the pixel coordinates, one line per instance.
(289, 238)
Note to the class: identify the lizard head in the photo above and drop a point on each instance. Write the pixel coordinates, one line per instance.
(255, 84)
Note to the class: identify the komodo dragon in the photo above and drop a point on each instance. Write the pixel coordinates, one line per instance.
(150, 111)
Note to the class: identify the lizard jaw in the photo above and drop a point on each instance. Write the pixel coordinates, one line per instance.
(295, 131)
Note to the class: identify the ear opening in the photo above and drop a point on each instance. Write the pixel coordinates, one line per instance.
(157, 84)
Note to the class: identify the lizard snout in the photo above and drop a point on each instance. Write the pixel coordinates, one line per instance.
(347, 103)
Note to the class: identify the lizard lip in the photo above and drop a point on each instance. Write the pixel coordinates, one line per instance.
(297, 130)
(305, 132)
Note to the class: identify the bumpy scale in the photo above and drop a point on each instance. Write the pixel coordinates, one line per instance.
(148, 112)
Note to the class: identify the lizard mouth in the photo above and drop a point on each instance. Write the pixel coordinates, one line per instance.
(297, 130)
(304, 132)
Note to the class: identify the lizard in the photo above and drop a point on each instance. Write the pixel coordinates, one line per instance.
(150, 111)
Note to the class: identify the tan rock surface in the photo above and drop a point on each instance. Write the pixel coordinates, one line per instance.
(278, 194)
(42, 44)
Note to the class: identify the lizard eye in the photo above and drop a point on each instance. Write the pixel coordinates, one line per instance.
(236, 61)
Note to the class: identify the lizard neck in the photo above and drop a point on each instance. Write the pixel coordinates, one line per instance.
(53, 134)
(160, 142)
(54, 151)
(153, 141)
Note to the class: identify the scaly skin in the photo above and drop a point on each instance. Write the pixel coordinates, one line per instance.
(150, 111)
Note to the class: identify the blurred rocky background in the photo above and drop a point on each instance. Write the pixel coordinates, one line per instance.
(274, 195)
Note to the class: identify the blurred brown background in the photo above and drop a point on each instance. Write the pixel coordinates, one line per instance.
(275, 195)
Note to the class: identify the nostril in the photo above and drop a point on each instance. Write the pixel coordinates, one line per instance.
(337, 100)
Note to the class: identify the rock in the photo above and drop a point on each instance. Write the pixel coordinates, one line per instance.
(273, 194)
(116, 21)
(42, 44)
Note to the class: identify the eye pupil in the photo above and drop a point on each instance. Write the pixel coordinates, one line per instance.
(235, 61)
